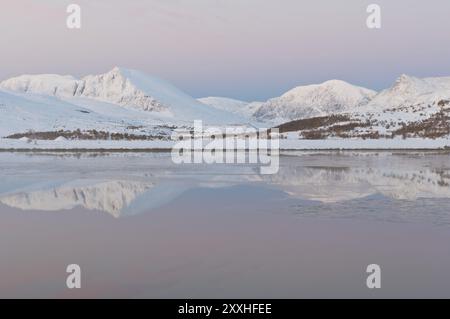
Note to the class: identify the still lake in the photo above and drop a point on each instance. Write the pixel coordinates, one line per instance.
(141, 226)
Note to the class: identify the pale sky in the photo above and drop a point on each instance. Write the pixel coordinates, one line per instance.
(246, 49)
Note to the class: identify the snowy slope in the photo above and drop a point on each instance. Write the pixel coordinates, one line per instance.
(410, 108)
(127, 88)
(136, 89)
(20, 113)
(330, 97)
(44, 84)
(245, 109)
(423, 105)
(410, 92)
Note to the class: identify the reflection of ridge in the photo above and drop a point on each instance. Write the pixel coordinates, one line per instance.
(326, 179)
(339, 184)
(110, 196)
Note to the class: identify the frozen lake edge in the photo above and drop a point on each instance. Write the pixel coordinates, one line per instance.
(166, 146)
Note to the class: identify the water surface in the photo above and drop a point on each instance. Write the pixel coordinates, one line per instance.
(140, 226)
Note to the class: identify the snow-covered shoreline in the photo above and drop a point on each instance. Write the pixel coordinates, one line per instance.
(286, 144)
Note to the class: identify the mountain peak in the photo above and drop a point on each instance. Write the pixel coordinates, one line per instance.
(336, 82)
(337, 86)
(405, 79)
(125, 72)
(333, 96)
(115, 72)
(409, 85)
(135, 89)
(116, 69)
(408, 91)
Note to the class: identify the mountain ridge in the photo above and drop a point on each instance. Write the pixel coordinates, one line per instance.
(124, 87)
(132, 103)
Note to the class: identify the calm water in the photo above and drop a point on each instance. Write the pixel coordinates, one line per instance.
(140, 226)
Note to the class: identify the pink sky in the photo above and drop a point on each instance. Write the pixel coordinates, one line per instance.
(247, 49)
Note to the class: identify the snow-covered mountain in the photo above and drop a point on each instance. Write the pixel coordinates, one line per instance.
(330, 97)
(412, 92)
(245, 109)
(411, 107)
(132, 105)
(124, 87)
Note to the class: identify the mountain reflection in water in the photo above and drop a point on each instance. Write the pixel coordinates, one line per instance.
(339, 183)
(140, 226)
